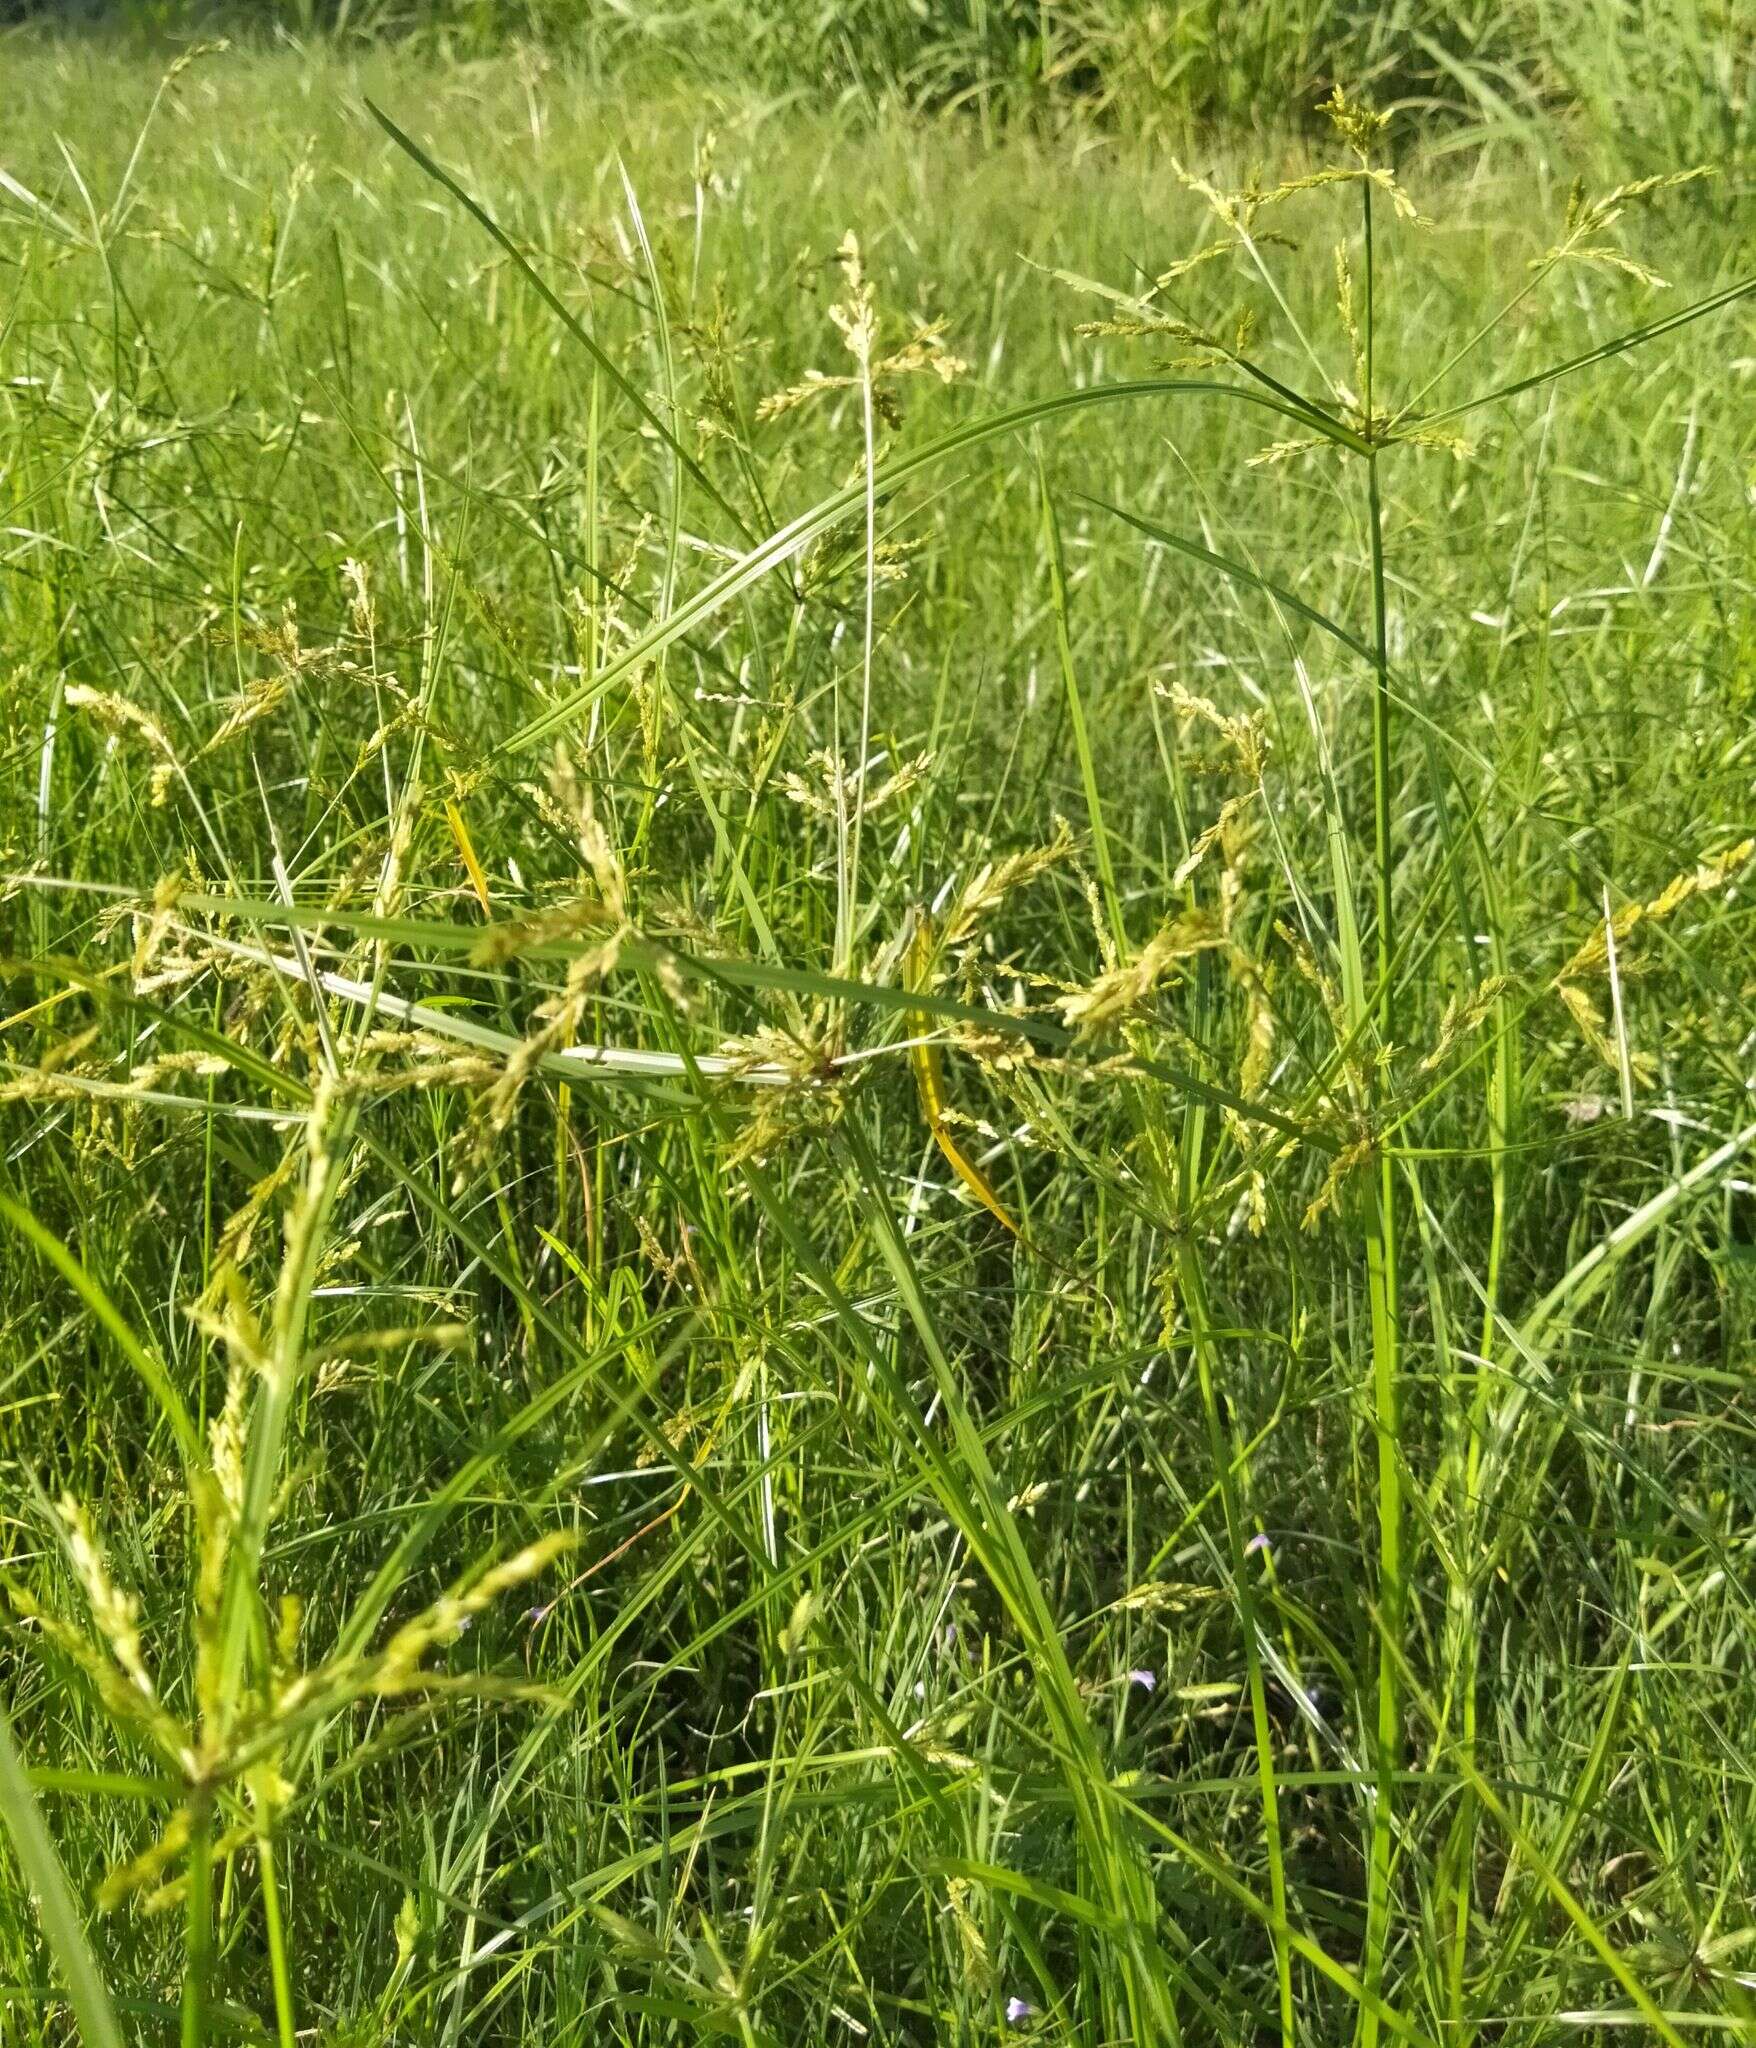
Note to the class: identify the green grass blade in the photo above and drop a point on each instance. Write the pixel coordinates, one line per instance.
(150, 1370)
(782, 546)
(605, 363)
(1237, 573)
(61, 1923)
(1634, 338)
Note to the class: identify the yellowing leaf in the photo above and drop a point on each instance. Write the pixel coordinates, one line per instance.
(466, 852)
(930, 1080)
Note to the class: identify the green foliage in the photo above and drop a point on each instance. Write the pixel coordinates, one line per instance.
(1661, 83)
(1012, 1048)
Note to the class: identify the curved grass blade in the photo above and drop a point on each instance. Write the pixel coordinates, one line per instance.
(754, 974)
(55, 1901)
(782, 545)
(1237, 572)
(1589, 1272)
(1623, 342)
(98, 1302)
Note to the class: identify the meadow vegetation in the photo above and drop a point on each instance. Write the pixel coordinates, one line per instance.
(877, 1009)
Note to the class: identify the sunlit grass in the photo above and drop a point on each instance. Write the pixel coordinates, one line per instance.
(876, 1119)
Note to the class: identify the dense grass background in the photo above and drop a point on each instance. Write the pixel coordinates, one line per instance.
(967, 1636)
(1658, 83)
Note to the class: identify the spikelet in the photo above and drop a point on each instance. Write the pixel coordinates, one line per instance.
(1165, 1596)
(1361, 127)
(858, 320)
(115, 1613)
(1458, 446)
(238, 1233)
(972, 1947)
(396, 1668)
(1215, 835)
(1310, 968)
(212, 46)
(167, 1065)
(837, 792)
(1346, 1163)
(1464, 1016)
(217, 1502)
(408, 1935)
(558, 1025)
(1592, 957)
(1258, 1023)
(258, 700)
(1120, 991)
(780, 1117)
(558, 1017)
(994, 881)
(39, 1087)
(122, 1699)
(1706, 876)
(1249, 1190)
(510, 937)
(1277, 452)
(148, 1868)
(797, 1631)
(1344, 302)
(1243, 734)
(1587, 217)
(123, 717)
(150, 930)
(1589, 1020)
(224, 1315)
(362, 619)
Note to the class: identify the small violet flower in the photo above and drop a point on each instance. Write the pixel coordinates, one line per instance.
(1257, 1542)
(1146, 1680)
(1019, 2010)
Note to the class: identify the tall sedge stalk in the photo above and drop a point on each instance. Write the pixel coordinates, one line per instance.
(279, 1962)
(198, 1923)
(1381, 1247)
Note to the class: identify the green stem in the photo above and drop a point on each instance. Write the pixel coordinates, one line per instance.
(1382, 822)
(198, 1923)
(1381, 1269)
(279, 1970)
(1381, 1250)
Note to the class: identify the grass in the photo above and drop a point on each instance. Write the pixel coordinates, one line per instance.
(847, 1193)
